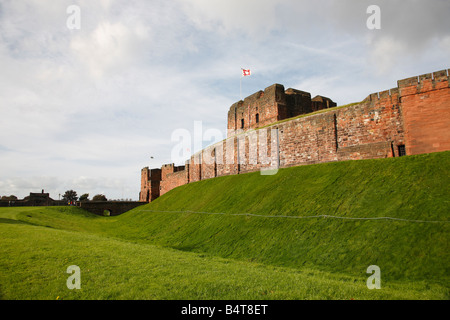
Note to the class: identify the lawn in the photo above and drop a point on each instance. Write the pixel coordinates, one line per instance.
(34, 260)
(307, 232)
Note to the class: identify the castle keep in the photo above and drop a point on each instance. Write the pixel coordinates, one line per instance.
(278, 128)
(273, 104)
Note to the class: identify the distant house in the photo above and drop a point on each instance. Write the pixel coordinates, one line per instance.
(39, 199)
(34, 199)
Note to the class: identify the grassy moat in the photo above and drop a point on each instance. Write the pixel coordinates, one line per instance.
(307, 232)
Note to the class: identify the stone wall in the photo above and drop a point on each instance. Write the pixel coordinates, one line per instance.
(109, 208)
(426, 112)
(172, 177)
(271, 105)
(371, 129)
(414, 117)
(150, 184)
(173, 180)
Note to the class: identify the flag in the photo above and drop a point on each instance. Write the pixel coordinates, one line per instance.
(245, 72)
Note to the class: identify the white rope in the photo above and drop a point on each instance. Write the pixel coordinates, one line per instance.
(300, 217)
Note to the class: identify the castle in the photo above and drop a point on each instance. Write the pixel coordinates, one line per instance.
(278, 128)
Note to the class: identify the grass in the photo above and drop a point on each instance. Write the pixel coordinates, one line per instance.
(173, 249)
(34, 260)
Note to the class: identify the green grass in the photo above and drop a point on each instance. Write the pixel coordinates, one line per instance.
(173, 249)
(34, 259)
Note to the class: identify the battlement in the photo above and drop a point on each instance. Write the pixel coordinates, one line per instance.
(437, 76)
(296, 91)
(413, 85)
(273, 92)
(321, 102)
(391, 94)
(271, 105)
(170, 168)
(412, 118)
(150, 184)
(252, 98)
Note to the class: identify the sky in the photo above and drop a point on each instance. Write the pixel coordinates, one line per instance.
(86, 108)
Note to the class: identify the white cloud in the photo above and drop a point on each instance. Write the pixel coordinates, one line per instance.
(110, 48)
(86, 108)
(386, 53)
(445, 44)
(251, 16)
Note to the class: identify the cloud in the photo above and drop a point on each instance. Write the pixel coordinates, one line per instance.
(386, 53)
(253, 16)
(110, 47)
(87, 108)
(409, 31)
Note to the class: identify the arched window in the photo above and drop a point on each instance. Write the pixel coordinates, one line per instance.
(257, 118)
(242, 123)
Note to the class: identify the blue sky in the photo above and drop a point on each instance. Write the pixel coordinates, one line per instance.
(85, 109)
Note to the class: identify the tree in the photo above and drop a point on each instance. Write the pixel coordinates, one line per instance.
(99, 197)
(70, 195)
(84, 197)
(10, 198)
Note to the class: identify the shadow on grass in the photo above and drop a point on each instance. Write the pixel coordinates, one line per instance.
(12, 221)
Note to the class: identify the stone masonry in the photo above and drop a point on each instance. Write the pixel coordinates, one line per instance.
(277, 128)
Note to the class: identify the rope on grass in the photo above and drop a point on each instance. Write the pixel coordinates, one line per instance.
(301, 217)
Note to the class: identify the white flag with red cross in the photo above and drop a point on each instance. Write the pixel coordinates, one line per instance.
(246, 72)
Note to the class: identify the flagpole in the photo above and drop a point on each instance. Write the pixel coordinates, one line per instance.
(240, 88)
(244, 73)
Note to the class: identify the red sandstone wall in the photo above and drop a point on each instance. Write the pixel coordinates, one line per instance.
(155, 183)
(150, 184)
(145, 192)
(372, 129)
(415, 114)
(173, 180)
(195, 167)
(307, 140)
(363, 131)
(271, 105)
(227, 157)
(208, 168)
(426, 112)
(266, 103)
(255, 150)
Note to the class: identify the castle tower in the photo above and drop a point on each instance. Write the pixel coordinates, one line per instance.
(271, 105)
(150, 184)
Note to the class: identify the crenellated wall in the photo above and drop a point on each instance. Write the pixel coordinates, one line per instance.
(411, 119)
(371, 129)
(172, 177)
(426, 113)
(273, 104)
(150, 184)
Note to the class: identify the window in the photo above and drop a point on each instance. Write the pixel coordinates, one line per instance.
(401, 150)
(242, 123)
(257, 118)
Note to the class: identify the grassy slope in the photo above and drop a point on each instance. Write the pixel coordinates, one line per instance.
(409, 254)
(414, 187)
(34, 259)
